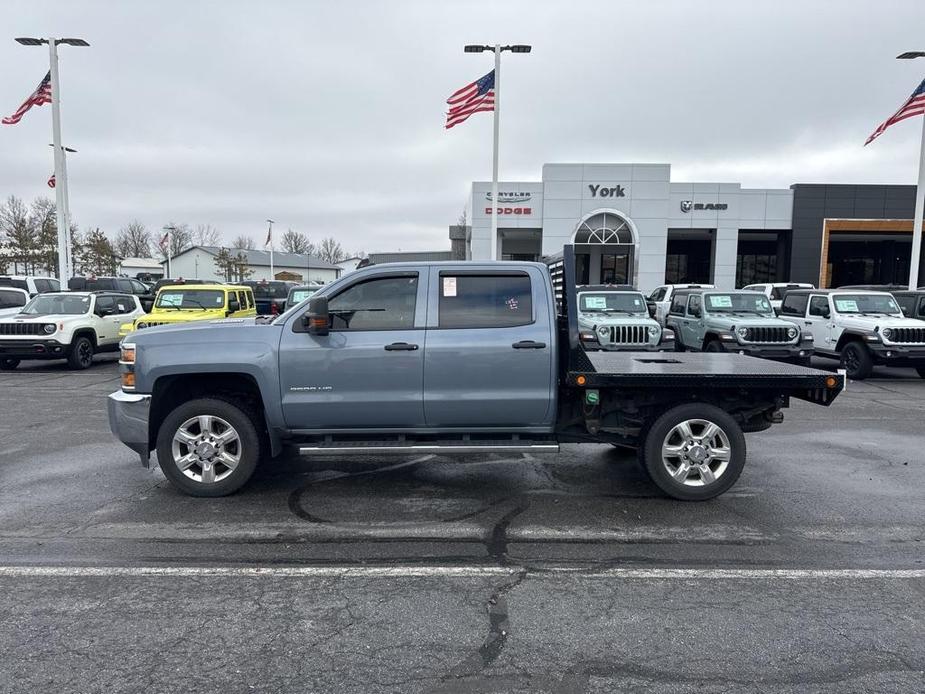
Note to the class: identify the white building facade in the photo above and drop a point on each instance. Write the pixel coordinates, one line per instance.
(631, 224)
(198, 262)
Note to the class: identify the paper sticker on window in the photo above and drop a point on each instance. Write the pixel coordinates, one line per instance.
(846, 305)
(595, 302)
(172, 300)
(720, 302)
(512, 303)
(449, 286)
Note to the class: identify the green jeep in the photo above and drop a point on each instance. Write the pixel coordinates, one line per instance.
(735, 321)
(616, 318)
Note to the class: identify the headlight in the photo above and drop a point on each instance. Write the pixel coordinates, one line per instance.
(792, 333)
(49, 328)
(127, 353)
(886, 332)
(742, 332)
(653, 330)
(603, 330)
(141, 325)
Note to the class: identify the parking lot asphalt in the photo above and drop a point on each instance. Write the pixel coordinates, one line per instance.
(565, 573)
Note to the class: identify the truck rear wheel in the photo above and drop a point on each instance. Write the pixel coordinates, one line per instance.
(208, 447)
(856, 360)
(7, 364)
(694, 452)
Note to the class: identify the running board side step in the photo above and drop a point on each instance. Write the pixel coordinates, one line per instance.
(362, 448)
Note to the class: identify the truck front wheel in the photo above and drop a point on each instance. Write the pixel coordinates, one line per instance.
(694, 452)
(208, 447)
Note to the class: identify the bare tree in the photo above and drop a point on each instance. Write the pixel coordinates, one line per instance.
(330, 251)
(297, 242)
(206, 235)
(181, 238)
(244, 243)
(17, 234)
(133, 241)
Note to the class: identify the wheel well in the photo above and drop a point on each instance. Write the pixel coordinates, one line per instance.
(171, 391)
(710, 337)
(85, 332)
(846, 338)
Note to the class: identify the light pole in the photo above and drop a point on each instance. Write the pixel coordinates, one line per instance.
(270, 241)
(919, 195)
(69, 255)
(497, 49)
(60, 166)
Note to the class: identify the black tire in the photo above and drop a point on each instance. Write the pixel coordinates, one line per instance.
(249, 448)
(678, 345)
(80, 355)
(856, 360)
(663, 430)
(920, 370)
(714, 346)
(8, 364)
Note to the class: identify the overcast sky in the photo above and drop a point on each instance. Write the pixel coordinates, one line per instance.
(328, 117)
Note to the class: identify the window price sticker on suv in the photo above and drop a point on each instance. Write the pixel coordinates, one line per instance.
(449, 286)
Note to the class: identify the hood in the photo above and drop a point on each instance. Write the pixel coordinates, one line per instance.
(871, 322)
(40, 318)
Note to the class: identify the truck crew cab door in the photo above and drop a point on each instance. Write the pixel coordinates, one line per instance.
(488, 359)
(368, 371)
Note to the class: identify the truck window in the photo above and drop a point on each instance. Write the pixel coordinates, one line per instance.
(383, 303)
(43, 285)
(678, 304)
(485, 301)
(693, 306)
(906, 303)
(794, 305)
(658, 294)
(921, 313)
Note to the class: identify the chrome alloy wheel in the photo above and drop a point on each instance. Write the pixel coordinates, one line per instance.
(206, 449)
(696, 452)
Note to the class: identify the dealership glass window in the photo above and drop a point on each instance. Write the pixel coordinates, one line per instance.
(582, 268)
(752, 268)
(528, 257)
(383, 303)
(485, 301)
(614, 268)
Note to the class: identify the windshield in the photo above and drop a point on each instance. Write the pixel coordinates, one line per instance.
(299, 295)
(190, 298)
(65, 304)
(739, 303)
(865, 303)
(611, 302)
(11, 299)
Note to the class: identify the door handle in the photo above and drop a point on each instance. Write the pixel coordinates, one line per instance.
(400, 347)
(808, 322)
(529, 344)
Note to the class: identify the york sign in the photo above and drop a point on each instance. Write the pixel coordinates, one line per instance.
(597, 191)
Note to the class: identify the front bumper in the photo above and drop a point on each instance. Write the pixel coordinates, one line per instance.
(778, 351)
(33, 349)
(897, 354)
(128, 420)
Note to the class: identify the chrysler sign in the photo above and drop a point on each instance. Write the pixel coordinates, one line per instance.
(509, 198)
(688, 205)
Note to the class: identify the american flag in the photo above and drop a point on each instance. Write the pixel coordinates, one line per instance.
(164, 241)
(41, 95)
(474, 97)
(914, 106)
(51, 181)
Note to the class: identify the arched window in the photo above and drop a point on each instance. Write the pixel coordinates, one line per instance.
(604, 228)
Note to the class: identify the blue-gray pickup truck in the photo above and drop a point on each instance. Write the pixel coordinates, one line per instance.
(441, 358)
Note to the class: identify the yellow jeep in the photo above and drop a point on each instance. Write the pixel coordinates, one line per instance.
(181, 303)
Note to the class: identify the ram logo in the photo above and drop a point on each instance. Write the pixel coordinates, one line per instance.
(687, 205)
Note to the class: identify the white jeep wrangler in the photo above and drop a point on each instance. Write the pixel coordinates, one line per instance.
(66, 325)
(859, 328)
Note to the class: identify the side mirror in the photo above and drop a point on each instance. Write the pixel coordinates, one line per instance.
(317, 320)
(695, 312)
(826, 313)
(233, 305)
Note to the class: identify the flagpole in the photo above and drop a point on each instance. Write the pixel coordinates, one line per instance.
(917, 218)
(60, 172)
(270, 239)
(494, 163)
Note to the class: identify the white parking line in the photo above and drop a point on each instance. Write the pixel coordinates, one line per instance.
(450, 572)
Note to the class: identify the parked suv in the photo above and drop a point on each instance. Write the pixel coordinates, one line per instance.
(616, 318)
(659, 301)
(270, 295)
(31, 283)
(859, 328)
(195, 302)
(911, 303)
(12, 299)
(775, 291)
(735, 321)
(125, 285)
(66, 325)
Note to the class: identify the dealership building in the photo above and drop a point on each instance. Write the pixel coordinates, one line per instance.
(630, 223)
